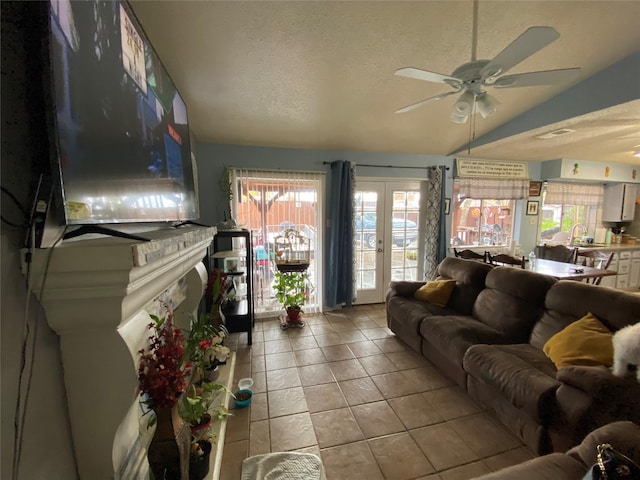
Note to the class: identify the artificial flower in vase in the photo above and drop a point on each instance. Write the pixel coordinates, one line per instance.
(163, 373)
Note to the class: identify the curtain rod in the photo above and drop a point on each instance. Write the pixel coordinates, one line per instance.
(389, 166)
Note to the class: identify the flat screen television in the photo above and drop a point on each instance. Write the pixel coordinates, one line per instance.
(120, 127)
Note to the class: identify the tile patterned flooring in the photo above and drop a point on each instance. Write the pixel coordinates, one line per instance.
(343, 387)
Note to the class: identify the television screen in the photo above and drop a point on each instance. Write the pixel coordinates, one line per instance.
(123, 148)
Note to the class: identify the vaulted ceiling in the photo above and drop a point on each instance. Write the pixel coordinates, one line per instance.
(320, 74)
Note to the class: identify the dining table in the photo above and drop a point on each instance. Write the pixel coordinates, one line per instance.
(567, 271)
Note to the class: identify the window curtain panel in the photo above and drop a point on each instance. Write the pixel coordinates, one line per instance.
(435, 248)
(559, 193)
(493, 188)
(340, 262)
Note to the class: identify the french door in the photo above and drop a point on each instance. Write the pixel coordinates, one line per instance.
(387, 236)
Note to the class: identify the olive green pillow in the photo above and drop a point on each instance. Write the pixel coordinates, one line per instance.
(437, 292)
(584, 342)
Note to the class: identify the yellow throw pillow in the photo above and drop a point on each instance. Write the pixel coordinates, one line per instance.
(437, 292)
(585, 342)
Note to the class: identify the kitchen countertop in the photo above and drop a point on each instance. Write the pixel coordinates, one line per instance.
(586, 247)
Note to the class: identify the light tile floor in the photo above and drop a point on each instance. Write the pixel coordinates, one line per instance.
(343, 387)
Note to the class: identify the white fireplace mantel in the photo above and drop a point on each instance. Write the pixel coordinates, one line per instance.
(97, 295)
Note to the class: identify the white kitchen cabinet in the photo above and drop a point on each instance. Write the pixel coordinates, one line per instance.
(619, 202)
(634, 272)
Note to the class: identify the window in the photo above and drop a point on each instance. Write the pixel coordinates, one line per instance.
(569, 211)
(481, 222)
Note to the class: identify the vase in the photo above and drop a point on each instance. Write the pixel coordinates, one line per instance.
(168, 453)
(198, 468)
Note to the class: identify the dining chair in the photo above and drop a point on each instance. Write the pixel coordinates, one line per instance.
(504, 259)
(470, 254)
(559, 253)
(595, 259)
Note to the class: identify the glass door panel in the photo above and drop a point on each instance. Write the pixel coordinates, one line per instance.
(387, 234)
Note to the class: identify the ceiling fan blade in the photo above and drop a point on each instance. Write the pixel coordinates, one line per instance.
(532, 40)
(413, 106)
(418, 74)
(531, 79)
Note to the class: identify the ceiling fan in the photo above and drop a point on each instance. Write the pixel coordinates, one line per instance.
(471, 78)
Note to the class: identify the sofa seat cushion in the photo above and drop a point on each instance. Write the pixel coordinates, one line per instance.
(406, 316)
(521, 373)
(454, 334)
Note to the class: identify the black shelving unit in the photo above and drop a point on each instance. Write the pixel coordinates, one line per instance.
(233, 254)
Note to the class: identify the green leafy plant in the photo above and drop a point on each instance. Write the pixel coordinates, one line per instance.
(204, 343)
(195, 406)
(292, 289)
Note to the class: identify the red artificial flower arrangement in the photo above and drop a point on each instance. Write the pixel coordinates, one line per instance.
(162, 373)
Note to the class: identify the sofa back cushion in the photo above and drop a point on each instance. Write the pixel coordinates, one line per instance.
(568, 301)
(470, 278)
(512, 301)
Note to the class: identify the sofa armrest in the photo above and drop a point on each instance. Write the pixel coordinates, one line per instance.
(403, 288)
(597, 382)
(590, 397)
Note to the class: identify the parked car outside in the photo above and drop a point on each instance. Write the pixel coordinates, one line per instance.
(402, 232)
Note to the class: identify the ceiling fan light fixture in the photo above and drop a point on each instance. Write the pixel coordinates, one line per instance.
(487, 104)
(455, 118)
(464, 104)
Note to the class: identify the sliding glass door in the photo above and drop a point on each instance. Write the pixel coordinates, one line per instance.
(268, 203)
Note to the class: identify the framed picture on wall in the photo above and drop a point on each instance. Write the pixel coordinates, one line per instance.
(535, 188)
(532, 207)
(447, 206)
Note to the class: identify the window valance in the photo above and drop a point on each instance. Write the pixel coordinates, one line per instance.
(493, 188)
(564, 193)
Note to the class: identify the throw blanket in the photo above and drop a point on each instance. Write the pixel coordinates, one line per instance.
(282, 466)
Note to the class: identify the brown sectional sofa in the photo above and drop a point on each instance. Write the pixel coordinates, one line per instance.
(624, 436)
(489, 340)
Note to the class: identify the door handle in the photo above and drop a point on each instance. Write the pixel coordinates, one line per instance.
(379, 250)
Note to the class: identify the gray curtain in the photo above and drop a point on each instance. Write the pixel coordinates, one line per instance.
(339, 259)
(435, 228)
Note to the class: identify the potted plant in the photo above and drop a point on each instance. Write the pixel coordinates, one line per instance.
(198, 409)
(292, 291)
(164, 368)
(199, 458)
(163, 372)
(204, 345)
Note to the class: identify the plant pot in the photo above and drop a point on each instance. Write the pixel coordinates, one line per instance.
(199, 467)
(293, 313)
(201, 429)
(211, 374)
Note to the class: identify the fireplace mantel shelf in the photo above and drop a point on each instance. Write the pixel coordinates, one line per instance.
(98, 294)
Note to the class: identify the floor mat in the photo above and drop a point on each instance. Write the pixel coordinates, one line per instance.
(282, 466)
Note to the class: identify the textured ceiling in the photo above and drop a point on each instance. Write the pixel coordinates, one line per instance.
(320, 74)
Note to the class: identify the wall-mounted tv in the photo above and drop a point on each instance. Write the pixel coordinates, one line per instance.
(121, 133)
